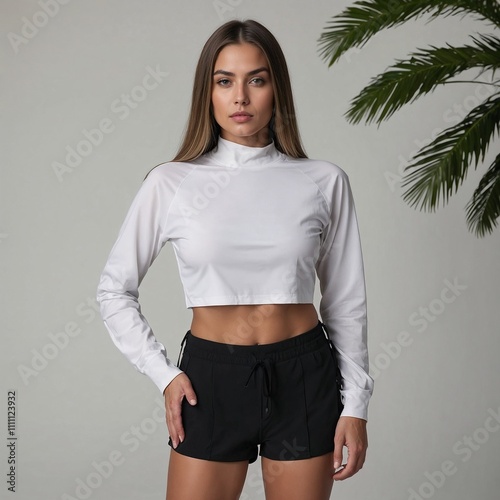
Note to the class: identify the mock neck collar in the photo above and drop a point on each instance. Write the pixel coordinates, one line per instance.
(232, 154)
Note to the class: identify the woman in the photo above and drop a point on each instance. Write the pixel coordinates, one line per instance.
(252, 220)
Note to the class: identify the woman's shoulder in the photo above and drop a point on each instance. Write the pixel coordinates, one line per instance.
(170, 170)
(319, 168)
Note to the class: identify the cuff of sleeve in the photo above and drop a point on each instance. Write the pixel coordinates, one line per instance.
(161, 371)
(355, 405)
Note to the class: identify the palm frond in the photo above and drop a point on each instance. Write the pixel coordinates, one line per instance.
(439, 168)
(483, 209)
(409, 79)
(354, 26)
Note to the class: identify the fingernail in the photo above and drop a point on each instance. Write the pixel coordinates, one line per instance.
(192, 401)
(336, 465)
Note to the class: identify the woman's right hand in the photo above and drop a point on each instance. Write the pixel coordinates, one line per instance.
(178, 388)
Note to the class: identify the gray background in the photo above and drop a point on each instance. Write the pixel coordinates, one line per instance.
(82, 404)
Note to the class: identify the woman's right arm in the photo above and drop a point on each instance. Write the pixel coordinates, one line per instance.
(140, 239)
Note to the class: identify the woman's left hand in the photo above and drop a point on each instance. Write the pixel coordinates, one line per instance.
(351, 433)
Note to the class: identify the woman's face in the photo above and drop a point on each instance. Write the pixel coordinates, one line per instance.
(242, 94)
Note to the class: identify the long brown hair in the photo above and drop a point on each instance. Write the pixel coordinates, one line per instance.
(202, 130)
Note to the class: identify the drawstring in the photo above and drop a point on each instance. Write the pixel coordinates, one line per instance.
(182, 347)
(266, 365)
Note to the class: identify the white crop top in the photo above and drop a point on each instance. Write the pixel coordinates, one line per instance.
(248, 226)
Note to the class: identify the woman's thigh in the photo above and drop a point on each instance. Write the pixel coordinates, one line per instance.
(195, 479)
(309, 478)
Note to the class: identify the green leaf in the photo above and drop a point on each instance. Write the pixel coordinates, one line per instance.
(483, 209)
(439, 168)
(354, 26)
(421, 73)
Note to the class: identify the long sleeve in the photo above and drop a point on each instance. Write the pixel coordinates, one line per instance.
(343, 298)
(139, 241)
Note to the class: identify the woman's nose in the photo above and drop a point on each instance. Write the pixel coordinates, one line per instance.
(240, 95)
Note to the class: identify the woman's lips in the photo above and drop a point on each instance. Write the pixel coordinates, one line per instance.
(241, 117)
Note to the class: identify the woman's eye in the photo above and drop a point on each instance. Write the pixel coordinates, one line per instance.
(225, 82)
(258, 81)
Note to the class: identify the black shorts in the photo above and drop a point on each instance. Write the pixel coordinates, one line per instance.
(283, 396)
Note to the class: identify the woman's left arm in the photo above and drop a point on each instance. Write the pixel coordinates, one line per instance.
(343, 311)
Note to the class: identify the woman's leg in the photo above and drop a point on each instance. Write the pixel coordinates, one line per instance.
(195, 479)
(309, 478)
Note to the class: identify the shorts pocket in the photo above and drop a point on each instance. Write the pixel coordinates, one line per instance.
(197, 420)
(322, 398)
